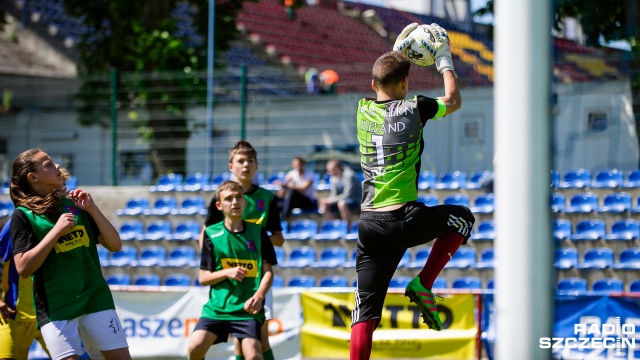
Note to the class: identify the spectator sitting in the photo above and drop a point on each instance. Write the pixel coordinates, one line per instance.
(329, 79)
(345, 193)
(297, 189)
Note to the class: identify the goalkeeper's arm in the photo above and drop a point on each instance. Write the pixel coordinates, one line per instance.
(452, 98)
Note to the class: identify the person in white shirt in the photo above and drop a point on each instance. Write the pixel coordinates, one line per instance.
(297, 191)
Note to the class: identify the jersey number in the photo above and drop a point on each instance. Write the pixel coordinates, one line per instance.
(377, 140)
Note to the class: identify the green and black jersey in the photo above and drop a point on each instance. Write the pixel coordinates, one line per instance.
(391, 145)
(261, 208)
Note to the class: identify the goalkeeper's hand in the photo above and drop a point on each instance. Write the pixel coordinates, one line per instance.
(440, 48)
(403, 40)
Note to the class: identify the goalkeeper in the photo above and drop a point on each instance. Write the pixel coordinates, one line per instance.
(391, 144)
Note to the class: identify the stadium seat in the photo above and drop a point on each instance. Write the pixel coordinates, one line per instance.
(566, 258)
(616, 203)
(333, 281)
(72, 183)
(167, 182)
(428, 199)
(555, 179)
(153, 255)
(180, 256)
(634, 286)
(420, 258)
(608, 179)
(426, 180)
(633, 180)
(4, 189)
(440, 283)
(118, 279)
(127, 256)
(351, 260)
(592, 229)
(301, 257)
(281, 255)
(399, 281)
(352, 235)
(103, 255)
(157, 230)
(572, 285)
(597, 258)
(405, 261)
(490, 284)
(218, 179)
(562, 229)
(177, 279)
(134, 206)
(131, 230)
(271, 180)
(278, 282)
(486, 259)
(576, 179)
(331, 257)
(194, 182)
(484, 231)
(608, 285)
(483, 204)
(636, 209)
(476, 179)
(6, 208)
(558, 202)
(332, 230)
(467, 282)
(453, 180)
(186, 230)
(147, 280)
(582, 203)
(464, 258)
(303, 281)
(624, 230)
(191, 205)
(162, 206)
(456, 199)
(629, 259)
(302, 229)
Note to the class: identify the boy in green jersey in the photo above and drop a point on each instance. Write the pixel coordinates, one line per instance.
(261, 208)
(392, 220)
(236, 263)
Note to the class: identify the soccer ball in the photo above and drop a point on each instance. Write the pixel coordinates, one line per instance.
(418, 53)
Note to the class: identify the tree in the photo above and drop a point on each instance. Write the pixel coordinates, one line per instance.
(140, 38)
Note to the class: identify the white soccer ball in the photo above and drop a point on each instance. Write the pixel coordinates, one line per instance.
(417, 52)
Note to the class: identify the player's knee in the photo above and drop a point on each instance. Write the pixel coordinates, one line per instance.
(467, 215)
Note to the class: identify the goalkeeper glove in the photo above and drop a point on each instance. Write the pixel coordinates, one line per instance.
(403, 40)
(440, 48)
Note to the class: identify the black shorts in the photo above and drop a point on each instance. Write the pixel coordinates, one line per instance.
(239, 329)
(384, 237)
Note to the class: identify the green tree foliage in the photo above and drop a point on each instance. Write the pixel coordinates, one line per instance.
(138, 39)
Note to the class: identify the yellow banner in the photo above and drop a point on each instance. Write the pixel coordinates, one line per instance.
(327, 328)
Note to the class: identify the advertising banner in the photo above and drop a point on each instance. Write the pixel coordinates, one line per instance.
(401, 334)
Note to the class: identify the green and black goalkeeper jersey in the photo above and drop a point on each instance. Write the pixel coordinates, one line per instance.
(391, 145)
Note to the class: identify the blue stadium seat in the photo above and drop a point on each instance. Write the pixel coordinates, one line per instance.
(103, 255)
(131, 230)
(566, 258)
(333, 281)
(278, 282)
(351, 260)
(558, 202)
(426, 180)
(302, 229)
(636, 209)
(576, 179)
(616, 203)
(582, 203)
(301, 257)
(303, 281)
(153, 255)
(608, 285)
(118, 279)
(180, 256)
(166, 183)
(405, 261)
(586, 230)
(285, 226)
(133, 207)
(191, 205)
(597, 258)
(127, 256)
(186, 230)
(331, 257)
(420, 258)
(633, 180)
(272, 180)
(476, 179)
(555, 179)
(6, 208)
(484, 230)
(490, 284)
(281, 255)
(195, 182)
(72, 183)
(147, 280)
(352, 235)
(157, 230)
(467, 282)
(464, 258)
(486, 259)
(177, 279)
(572, 285)
(162, 206)
(608, 179)
(218, 179)
(634, 286)
(483, 204)
(629, 259)
(562, 229)
(399, 281)
(456, 199)
(4, 189)
(332, 230)
(453, 180)
(624, 230)
(428, 199)
(440, 283)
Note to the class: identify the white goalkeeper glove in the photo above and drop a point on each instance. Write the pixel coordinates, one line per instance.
(403, 40)
(440, 48)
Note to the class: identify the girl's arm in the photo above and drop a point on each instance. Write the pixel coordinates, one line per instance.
(109, 236)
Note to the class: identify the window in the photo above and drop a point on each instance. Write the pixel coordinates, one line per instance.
(598, 122)
(472, 130)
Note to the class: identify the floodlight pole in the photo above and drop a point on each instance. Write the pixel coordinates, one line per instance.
(208, 159)
(524, 246)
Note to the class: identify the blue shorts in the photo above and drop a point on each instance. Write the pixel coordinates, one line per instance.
(239, 329)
